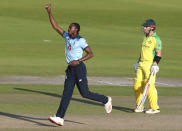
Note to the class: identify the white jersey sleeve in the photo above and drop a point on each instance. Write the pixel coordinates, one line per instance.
(83, 43)
(65, 34)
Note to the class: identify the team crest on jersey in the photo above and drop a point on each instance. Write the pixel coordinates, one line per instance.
(69, 48)
(150, 42)
(158, 45)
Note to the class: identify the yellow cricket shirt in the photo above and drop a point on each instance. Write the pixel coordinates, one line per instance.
(149, 45)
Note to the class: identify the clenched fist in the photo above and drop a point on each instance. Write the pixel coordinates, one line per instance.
(48, 7)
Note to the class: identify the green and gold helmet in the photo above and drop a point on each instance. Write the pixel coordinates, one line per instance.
(149, 23)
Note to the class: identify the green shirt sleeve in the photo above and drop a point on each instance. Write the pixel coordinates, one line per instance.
(158, 44)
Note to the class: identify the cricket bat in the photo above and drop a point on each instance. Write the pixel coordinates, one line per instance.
(145, 92)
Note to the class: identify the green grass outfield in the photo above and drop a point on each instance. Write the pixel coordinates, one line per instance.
(113, 30)
(111, 27)
(29, 103)
(40, 99)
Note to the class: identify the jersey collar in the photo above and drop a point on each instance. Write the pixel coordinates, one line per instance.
(154, 34)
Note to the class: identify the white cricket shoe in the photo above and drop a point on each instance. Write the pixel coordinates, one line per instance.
(56, 120)
(108, 105)
(151, 111)
(139, 110)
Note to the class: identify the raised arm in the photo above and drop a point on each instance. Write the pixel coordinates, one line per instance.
(53, 22)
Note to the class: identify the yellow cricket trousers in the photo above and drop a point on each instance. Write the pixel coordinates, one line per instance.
(142, 76)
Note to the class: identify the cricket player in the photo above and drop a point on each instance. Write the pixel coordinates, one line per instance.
(76, 72)
(148, 62)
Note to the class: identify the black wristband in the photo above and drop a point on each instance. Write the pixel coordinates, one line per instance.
(157, 59)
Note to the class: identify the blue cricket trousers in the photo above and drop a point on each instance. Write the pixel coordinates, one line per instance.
(77, 75)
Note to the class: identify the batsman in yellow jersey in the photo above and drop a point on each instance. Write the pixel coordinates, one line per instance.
(147, 63)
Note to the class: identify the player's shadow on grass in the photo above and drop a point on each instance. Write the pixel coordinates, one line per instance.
(124, 109)
(26, 118)
(32, 119)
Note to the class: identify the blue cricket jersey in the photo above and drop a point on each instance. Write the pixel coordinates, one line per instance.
(74, 47)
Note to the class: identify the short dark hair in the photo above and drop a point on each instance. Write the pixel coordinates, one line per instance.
(77, 26)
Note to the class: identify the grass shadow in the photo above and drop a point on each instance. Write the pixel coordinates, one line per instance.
(26, 118)
(124, 109)
(33, 119)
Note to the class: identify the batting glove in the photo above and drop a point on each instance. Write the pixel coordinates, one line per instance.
(154, 68)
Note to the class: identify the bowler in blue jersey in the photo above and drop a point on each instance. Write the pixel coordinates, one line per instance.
(76, 72)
